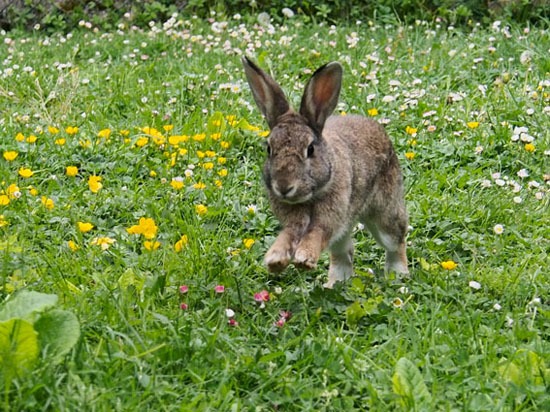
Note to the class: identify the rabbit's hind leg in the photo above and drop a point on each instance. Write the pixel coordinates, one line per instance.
(341, 260)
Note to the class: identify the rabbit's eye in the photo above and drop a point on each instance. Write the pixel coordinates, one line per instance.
(310, 150)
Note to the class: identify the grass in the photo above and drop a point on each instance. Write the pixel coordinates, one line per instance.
(451, 100)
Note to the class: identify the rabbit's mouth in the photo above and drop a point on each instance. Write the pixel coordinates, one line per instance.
(294, 200)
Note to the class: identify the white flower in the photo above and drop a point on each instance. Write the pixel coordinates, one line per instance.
(496, 306)
(517, 199)
(229, 313)
(486, 183)
(278, 290)
(287, 12)
(252, 209)
(509, 321)
(525, 58)
(499, 229)
(360, 226)
(388, 99)
(398, 303)
(264, 19)
(523, 173)
(539, 195)
(479, 149)
(404, 290)
(474, 285)
(500, 182)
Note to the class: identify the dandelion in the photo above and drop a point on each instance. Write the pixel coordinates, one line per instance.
(530, 147)
(199, 186)
(71, 130)
(150, 245)
(142, 141)
(449, 265)
(13, 191)
(72, 245)
(219, 289)
(168, 127)
(410, 155)
(10, 155)
(4, 200)
(60, 142)
(222, 160)
(103, 242)
(47, 202)
(201, 209)
(19, 137)
(411, 130)
(53, 130)
(498, 229)
(248, 243)
(474, 285)
(180, 244)
(24, 172)
(472, 125)
(31, 139)
(3, 221)
(71, 171)
(372, 112)
(145, 227)
(177, 183)
(199, 137)
(84, 227)
(94, 183)
(104, 133)
(223, 172)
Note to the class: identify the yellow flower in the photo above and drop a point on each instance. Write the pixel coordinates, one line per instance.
(11, 155)
(262, 134)
(530, 147)
(3, 221)
(13, 191)
(199, 185)
(47, 202)
(449, 265)
(33, 191)
(372, 112)
(210, 153)
(225, 145)
(410, 155)
(31, 139)
(60, 142)
(25, 172)
(199, 137)
(181, 243)
(411, 130)
(168, 127)
(152, 173)
(174, 140)
(146, 227)
(124, 132)
(19, 137)
(223, 172)
(217, 122)
(248, 243)
(176, 184)
(201, 209)
(73, 246)
(71, 171)
(4, 200)
(472, 125)
(84, 227)
(200, 154)
(84, 143)
(71, 130)
(103, 242)
(208, 165)
(218, 183)
(94, 183)
(53, 130)
(222, 160)
(215, 136)
(142, 141)
(150, 245)
(182, 152)
(105, 133)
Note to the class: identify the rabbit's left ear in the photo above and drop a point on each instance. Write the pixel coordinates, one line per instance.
(321, 95)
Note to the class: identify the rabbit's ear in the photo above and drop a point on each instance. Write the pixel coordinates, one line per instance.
(268, 95)
(321, 95)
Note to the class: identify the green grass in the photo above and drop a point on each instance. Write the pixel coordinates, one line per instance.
(140, 351)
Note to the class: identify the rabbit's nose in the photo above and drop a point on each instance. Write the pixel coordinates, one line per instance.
(284, 189)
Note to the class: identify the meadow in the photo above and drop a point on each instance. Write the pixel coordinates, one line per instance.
(130, 188)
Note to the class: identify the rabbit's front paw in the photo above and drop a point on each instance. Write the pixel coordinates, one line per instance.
(305, 258)
(277, 259)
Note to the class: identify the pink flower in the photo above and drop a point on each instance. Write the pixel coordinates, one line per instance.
(285, 314)
(183, 306)
(233, 322)
(184, 288)
(263, 296)
(280, 323)
(219, 289)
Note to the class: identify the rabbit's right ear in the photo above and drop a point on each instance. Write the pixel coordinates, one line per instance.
(268, 95)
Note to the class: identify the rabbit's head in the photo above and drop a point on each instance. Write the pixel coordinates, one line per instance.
(299, 161)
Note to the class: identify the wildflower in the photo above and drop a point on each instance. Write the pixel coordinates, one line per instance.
(261, 134)
(372, 112)
(479, 149)
(23, 172)
(47, 202)
(201, 209)
(183, 306)
(222, 160)
(498, 229)
(523, 173)
(229, 313)
(232, 322)
(219, 289)
(19, 137)
(398, 303)
(146, 227)
(177, 183)
(168, 127)
(71, 130)
(60, 142)
(280, 323)
(71, 171)
(530, 147)
(73, 246)
(263, 296)
(4, 200)
(103, 242)
(472, 125)
(286, 315)
(3, 221)
(251, 209)
(84, 227)
(94, 183)
(11, 155)
(84, 143)
(199, 186)
(178, 246)
(142, 141)
(53, 130)
(517, 199)
(31, 139)
(13, 191)
(225, 145)
(200, 154)
(218, 183)
(223, 172)
(496, 306)
(449, 265)
(150, 245)
(404, 290)
(248, 243)
(152, 173)
(105, 133)
(184, 289)
(411, 130)
(199, 137)
(474, 285)
(410, 155)
(431, 128)
(124, 133)
(288, 13)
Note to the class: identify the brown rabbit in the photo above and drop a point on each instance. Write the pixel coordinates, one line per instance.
(324, 173)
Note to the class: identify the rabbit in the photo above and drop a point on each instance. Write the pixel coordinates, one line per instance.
(323, 173)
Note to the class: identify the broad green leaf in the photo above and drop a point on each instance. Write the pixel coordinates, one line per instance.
(129, 278)
(526, 366)
(409, 384)
(26, 304)
(372, 304)
(216, 123)
(12, 244)
(58, 331)
(354, 313)
(18, 346)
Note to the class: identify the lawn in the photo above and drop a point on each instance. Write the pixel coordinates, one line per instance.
(130, 188)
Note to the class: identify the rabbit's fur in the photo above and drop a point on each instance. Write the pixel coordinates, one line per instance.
(324, 173)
